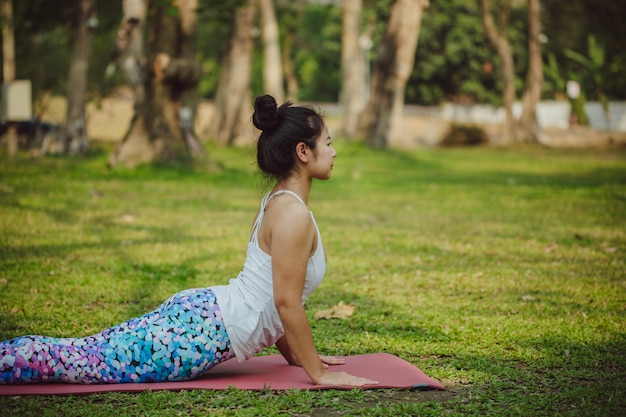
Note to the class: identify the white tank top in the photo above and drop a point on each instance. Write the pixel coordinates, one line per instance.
(247, 302)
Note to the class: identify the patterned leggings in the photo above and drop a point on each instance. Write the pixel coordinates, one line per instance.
(178, 341)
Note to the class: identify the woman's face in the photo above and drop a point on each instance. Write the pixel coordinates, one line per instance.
(324, 154)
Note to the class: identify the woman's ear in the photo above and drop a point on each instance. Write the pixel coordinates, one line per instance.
(303, 152)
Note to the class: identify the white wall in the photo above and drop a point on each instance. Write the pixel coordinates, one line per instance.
(617, 116)
(549, 114)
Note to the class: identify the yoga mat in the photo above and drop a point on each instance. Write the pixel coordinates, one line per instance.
(257, 373)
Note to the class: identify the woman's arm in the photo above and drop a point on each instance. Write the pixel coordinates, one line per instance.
(291, 241)
(283, 348)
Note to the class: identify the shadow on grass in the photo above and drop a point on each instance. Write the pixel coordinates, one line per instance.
(14, 255)
(554, 373)
(587, 378)
(419, 176)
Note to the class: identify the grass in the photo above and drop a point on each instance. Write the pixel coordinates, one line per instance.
(500, 272)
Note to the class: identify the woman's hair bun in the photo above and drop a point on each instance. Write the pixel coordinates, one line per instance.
(265, 115)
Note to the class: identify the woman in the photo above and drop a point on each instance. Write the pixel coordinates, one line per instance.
(196, 329)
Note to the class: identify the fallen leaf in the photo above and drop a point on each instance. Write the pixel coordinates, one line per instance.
(340, 311)
(551, 247)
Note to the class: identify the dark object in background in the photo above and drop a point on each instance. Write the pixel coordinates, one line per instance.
(31, 133)
(464, 135)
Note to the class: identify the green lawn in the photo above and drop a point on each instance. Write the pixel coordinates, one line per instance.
(499, 272)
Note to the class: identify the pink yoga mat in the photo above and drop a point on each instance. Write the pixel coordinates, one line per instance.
(258, 373)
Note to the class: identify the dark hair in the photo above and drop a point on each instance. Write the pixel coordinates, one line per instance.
(282, 129)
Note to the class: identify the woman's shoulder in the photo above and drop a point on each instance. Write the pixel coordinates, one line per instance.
(288, 211)
(287, 224)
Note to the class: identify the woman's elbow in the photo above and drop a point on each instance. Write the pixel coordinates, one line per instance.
(286, 306)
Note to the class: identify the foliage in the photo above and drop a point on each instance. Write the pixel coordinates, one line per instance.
(597, 68)
(453, 60)
(215, 18)
(569, 25)
(44, 33)
(554, 80)
(464, 135)
(318, 52)
(41, 27)
(578, 109)
(499, 272)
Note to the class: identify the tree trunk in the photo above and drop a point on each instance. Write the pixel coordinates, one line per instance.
(8, 66)
(272, 66)
(128, 53)
(290, 73)
(162, 129)
(352, 66)
(392, 68)
(188, 22)
(528, 126)
(233, 97)
(291, 29)
(497, 38)
(76, 140)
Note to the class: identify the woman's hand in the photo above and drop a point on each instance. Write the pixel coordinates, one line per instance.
(337, 378)
(343, 378)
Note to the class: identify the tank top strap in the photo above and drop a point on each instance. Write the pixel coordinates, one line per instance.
(279, 192)
(259, 219)
(257, 223)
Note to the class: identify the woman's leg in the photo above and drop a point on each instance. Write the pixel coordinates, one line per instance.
(180, 340)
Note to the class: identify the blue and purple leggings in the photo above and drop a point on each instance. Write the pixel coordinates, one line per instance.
(178, 341)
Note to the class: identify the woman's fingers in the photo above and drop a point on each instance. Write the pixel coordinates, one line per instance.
(332, 360)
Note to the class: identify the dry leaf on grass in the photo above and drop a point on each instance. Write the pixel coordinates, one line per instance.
(340, 311)
(552, 247)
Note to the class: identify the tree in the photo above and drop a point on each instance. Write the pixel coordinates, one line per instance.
(128, 53)
(272, 65)
(290, 21)
(529, 128)
(526, 128)
(233, 97)
(8, 65)
(76, 140)
(392, 68)
(352, 66)
(162, 128)
(497, 38)
(213, 35)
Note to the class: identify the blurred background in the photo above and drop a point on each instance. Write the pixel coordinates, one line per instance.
(159, 78)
